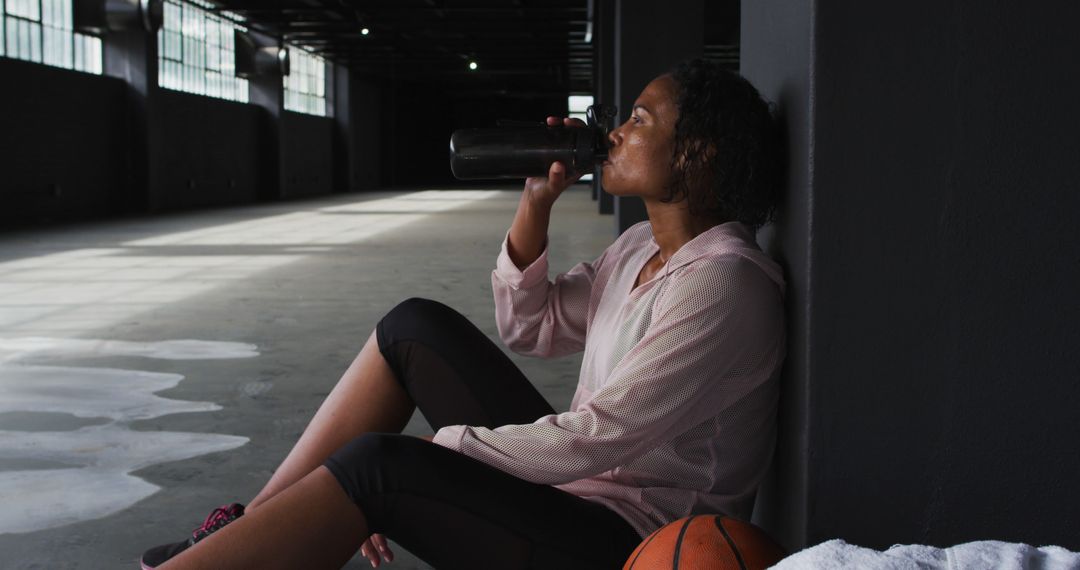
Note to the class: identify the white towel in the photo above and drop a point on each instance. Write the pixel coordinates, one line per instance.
(979, 555)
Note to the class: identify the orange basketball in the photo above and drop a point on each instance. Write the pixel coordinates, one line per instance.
(706, 542)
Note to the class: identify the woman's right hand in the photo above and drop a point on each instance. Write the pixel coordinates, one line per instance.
(373, 546)
(544, 191)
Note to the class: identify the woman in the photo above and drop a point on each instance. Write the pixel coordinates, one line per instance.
(681, 321)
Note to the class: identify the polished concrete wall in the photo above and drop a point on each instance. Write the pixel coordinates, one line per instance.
(928, 233)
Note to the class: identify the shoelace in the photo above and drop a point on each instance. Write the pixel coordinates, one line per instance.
(218, 518)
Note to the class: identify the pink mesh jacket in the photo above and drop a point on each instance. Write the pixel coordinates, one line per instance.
(675, 408)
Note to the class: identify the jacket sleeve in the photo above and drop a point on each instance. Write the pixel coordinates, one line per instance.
(537, 317)
(716, 334)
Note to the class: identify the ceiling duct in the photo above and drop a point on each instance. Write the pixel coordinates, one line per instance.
(255, 57)
(98, 17)
(590, 12)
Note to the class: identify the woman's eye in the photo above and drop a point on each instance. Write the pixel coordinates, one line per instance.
(635, 119)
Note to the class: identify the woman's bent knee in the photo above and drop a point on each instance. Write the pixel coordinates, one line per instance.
(372, 468)
(423, 320)
(361, 466)
(417, 309)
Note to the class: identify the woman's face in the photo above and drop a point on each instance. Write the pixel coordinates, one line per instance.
(639, 162)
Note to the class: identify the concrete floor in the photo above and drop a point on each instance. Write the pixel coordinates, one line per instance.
(288, 292)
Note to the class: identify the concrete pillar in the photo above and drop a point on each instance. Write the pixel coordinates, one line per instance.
(358, 125)
(604, 81)
(343, 134)
(650, 38)
(368, 97)
(929, 242)
(131, 55)
(775, 48)
(265, 90)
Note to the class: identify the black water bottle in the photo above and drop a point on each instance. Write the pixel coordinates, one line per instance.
(523, 151)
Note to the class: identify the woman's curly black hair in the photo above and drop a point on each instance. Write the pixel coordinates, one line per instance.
(725, 136)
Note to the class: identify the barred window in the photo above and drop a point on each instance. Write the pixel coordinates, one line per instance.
(41, 31)
(578, 104)
(305, 85)
(196, 51)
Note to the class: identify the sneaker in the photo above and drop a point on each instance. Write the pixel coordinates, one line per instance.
(220, 517)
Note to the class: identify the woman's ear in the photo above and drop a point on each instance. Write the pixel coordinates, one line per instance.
(699, 151)
(695, 165)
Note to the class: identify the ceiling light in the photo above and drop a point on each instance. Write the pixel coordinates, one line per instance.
(472, 65)
(365, 31)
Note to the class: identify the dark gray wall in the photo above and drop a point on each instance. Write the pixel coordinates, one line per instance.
(211, 152)
(775, 45)
(78, 146)
(216, 152)
(61, 153)
(934, 373)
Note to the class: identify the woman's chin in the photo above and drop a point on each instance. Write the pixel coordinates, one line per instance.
(610, 186)
(615, 189)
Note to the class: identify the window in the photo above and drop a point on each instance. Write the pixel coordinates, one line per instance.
(41, 31)
(196, 52)
(305, 85)
(578, 104)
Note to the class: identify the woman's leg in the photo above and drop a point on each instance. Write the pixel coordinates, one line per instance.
(453, 372)
(367, 398)
(454, 511)
(449, 509)
(421, 353)
(311, 524)
(455, 375)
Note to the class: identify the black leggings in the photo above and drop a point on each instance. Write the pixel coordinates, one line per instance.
(449, 509)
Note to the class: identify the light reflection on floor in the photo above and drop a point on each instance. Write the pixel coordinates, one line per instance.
(50, 303)
(81, 289)
(86, 472)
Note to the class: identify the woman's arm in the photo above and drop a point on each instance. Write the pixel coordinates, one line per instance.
(715, 337)
(529, 230)
(535, 316)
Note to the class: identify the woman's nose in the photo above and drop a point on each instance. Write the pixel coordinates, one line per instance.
(614, 138)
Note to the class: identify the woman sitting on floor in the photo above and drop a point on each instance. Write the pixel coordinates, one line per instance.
(681, 321)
